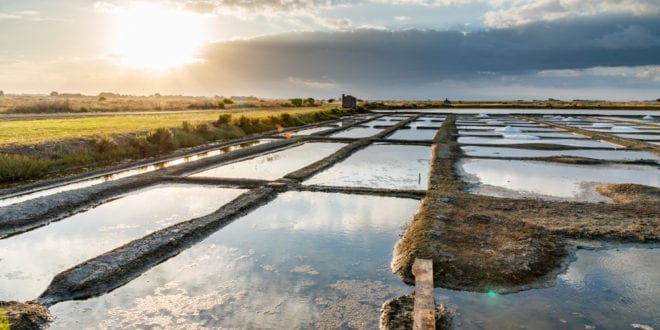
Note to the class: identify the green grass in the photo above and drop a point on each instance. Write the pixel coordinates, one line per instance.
(27, 132)
(104, 150)
(4, 323)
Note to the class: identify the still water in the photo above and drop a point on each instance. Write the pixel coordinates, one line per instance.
(305, 260)
(29, 261)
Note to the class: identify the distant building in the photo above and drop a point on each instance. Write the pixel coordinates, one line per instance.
(348, 101)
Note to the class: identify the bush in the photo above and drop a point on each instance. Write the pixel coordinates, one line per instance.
(227, 101)
(16, 168)
(163, 139)
(43, 107)
(186, 139)
(206, 105)
(142, 145)
(4, 323)
(104, 144)
(226, 132)
(223, 119)
(297, 102)
(187, 126)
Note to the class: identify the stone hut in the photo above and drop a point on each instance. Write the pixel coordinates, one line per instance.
(348, 101)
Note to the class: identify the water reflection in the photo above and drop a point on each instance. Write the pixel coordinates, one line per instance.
(606, 289)
(305, 260)
(413, 134)
(274, 165)
(357, 132)
(126, 173)
(514, 178)
(29, 261)
(567, 142)
(380, 166)
(529, 153)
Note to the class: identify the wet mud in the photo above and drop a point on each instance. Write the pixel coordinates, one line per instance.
(482, 244)
(397, 313)
(25, 316)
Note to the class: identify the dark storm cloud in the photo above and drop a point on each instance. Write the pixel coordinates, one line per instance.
(415, 56)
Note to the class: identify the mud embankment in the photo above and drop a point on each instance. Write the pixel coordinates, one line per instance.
(117, 267)
(482, 243)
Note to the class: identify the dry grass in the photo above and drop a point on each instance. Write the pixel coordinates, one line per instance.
(73, 103)
(27, 132)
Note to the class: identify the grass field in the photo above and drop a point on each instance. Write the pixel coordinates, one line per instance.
(27, 132)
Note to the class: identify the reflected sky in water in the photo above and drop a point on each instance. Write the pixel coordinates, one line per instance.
(528, 153)
(568, 142)
(380, 166)
(274, 165)
(413, 134)
(539, 179)
(304, 260)
(29, 261)
(608, 289)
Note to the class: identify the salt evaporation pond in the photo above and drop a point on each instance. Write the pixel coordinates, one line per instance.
(29, 261)
(519, 139)
(413, 134)
(357, 132)
(274, 165)
(305, 260)
(476, 151)
(643, 137)
(312, 130)
(604, 289)
(380, 166)
(516, 178)
(126, 173)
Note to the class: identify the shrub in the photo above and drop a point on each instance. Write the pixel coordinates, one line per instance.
(43, 107)
(104, 144)
(223, 119)
(227, 101)
(297, 102)
(187, 139)
(187, 126)
(163, 139)
(206, 105)
(142, 145)
(4, 323)
(226, 132)
(17, 168)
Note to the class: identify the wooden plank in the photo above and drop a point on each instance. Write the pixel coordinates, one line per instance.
(424, 312)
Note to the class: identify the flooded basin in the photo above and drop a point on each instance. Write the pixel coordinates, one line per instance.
(380, 166)
(357, 132)
(312, 130)
(274, 165)
(531, 138)
(305, 260)
(516, 178)
(30, 260)
(413, 134)
(476, 151)
(615, 288)
(126, 173)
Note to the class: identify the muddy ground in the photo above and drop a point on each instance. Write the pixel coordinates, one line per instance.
(477, 243)
(481, 243)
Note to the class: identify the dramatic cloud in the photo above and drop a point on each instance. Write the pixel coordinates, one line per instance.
(377, 57)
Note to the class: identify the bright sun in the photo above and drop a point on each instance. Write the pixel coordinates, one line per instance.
(149, 36)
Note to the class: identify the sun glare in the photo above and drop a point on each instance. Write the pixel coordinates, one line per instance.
(149, 36)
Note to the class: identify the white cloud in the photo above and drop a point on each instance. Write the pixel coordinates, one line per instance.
(651, 72)
(528, 11)
(311, 83)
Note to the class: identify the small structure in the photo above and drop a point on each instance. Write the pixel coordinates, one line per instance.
(348, 101)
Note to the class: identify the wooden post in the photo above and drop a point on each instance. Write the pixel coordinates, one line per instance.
(424, 312)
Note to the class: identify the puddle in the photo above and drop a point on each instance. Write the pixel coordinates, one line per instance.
(28, 262)
(530, 153)
(413, 134)
(311, 130)
(380, 166)
(643, 137)
(516, 179)
(605, 289)
(274, 165)
(123, 174)
(357, 132)
(567, 142)
(305, 260)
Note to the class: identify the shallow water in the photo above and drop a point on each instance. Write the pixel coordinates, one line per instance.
(516, 178)
(643, 137)
(380, 166)
(413, 134)
(276, 164)
(30, 260)
(312, 130)
(305, 260)
(608, 289)
(357, 132)
(125, 173)
(567, 142)
(530, 153)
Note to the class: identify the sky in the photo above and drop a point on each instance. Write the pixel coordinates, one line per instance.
(374, 49)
